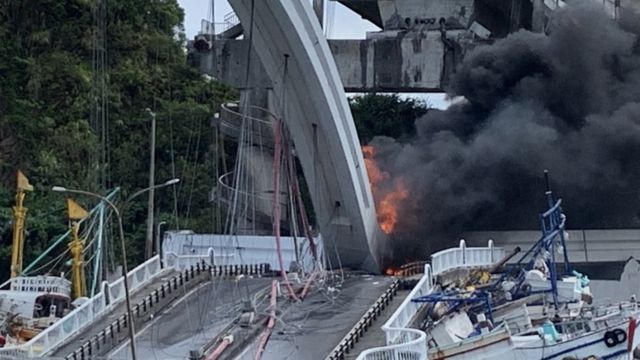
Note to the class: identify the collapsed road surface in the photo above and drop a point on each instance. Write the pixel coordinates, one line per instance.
(310, 329)
(194, 319)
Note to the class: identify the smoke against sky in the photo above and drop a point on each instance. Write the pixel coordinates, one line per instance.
(567, 101)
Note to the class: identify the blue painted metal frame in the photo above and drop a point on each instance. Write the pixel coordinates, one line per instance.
(458, 299)
(552, 224)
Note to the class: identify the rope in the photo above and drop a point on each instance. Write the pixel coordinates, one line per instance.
(303, 214)
(270, 324)
(276, 204)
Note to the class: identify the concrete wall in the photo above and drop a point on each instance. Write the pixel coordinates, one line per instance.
(585, 246)
(427, 13)
(241, 249)
(414, 62)
(226, 61)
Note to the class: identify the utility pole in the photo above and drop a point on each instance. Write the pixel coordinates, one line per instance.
(148, 247)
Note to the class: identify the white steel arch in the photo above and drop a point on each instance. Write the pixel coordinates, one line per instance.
(317, 114)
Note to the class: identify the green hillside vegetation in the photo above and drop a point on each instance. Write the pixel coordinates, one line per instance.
(46, 50)
(46, 82)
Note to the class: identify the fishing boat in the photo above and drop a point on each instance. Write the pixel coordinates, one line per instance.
(32, 303)
(528, 306)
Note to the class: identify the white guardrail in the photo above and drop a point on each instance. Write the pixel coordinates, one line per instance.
(181, 262)
(462, 257)
(85, 314)
(404, 343)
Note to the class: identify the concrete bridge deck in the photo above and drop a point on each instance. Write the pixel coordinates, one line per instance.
(309, 330)
(136, 297)
(192, 320)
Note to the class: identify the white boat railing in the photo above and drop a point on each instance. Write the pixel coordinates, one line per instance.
(404, 343)
(84, 315)
(462, 257)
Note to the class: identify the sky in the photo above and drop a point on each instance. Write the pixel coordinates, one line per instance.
(345, 24)
(196, 10)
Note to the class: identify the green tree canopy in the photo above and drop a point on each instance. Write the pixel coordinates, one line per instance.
(46, 72)
(385, 115)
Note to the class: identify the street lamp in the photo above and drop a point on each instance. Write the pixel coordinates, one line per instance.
(159, 241)
(156, 186)
(122, 243)
(124, 259)
(152, 180)
(140, 192)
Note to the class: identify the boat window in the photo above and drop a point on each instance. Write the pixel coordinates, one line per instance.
(42, 307)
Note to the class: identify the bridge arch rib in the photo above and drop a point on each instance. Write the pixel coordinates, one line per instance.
(317, 114)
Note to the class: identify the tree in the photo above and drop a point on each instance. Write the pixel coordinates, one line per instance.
(45, 101)
(385, 115)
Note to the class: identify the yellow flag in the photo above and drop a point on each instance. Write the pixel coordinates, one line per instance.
(23, 182)
(76, 212)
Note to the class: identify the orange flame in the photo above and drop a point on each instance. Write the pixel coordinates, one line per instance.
(391, 271)
(387, 206)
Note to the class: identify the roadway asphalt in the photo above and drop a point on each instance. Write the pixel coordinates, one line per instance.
(120, 309)
(312, 328)
(193, 320)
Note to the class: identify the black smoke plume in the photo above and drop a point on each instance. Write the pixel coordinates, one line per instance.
(567, 101)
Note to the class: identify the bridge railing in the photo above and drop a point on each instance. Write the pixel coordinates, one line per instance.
(404, 343)
(180, 262)
(85, 314)
(394, 327)
(412, 346)
(462, 257)
(136, 277)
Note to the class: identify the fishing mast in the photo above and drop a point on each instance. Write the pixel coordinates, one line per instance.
(76, 248)
(19, 214)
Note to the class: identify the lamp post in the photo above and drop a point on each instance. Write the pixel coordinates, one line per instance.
(159, 241)
(148, 245)
(124, 259)
(123, 245)
(156, 186)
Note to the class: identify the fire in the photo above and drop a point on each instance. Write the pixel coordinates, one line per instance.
(387, 204)
(391, 271)
(387, 208)
(375, 174)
